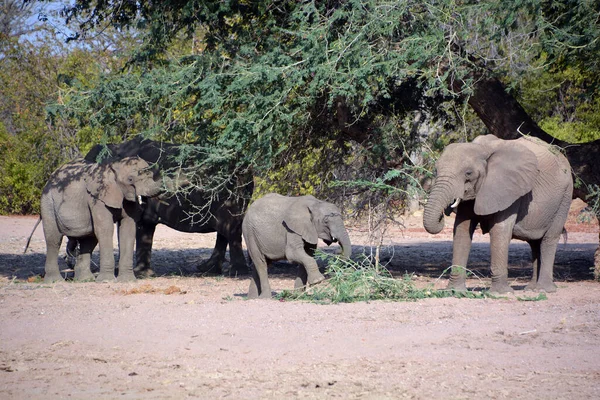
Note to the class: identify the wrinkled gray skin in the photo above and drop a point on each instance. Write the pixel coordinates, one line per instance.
(515, 189)
(287, 228)
(225, 214)
(82, 201)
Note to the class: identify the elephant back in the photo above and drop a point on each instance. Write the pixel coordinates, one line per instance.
(550, 157)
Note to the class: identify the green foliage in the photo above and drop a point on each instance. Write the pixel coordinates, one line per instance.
(273, 86)
(540, 296)
(36, 77)
(19, 178)
(301, 94)
(28, 153)
(303, 172)
(269, 89)
(565, 102)
(572, 132)
(349, 281)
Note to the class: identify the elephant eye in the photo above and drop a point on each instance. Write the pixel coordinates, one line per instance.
(469, 173)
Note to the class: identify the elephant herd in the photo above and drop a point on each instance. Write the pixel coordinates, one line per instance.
(511, 188)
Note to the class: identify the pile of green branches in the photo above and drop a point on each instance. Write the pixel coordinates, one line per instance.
(351, 281)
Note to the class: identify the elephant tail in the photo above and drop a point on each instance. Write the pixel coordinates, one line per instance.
(565, 235)
(31, 235)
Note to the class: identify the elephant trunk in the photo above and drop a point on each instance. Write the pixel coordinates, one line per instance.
(151, 189)
(344, 241)
(441, 196)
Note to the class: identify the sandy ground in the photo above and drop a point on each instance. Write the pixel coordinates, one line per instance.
(188, 335)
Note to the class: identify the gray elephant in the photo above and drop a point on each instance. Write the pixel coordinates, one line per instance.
(514, 189)
(287, 228)
(82, 201)
(224, 215)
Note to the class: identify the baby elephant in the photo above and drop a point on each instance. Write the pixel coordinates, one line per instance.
(83, 200)
(287, 228)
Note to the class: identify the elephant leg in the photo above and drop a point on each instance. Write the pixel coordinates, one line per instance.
(83, 271)
(500, 235)
(259, 282)
(127, 231)
(143, 249)
(535, 261)
(215, 263)
(464, 227)
(104, 230)
(298, 255)
(53, 239)
(545, 280)
(302, 277)
(72, 252)
(254, 284)
(236, 253)
(548, 245)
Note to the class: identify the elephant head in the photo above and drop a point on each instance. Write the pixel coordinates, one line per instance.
(127, 179)
(491, 171)
(314, 219)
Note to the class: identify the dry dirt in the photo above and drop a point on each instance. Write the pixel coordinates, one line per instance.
(187, 335)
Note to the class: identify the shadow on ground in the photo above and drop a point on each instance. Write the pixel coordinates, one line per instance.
(428, 259)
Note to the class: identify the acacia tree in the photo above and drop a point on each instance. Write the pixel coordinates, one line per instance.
(270, 78)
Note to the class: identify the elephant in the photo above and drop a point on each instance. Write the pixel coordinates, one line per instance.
(224, 215)
(278, 227)
(82, 201)
(517, 189)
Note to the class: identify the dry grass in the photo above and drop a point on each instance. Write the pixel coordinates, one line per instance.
(147, 288)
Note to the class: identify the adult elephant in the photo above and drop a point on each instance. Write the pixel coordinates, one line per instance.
(82, 201)
(223, 215)
(279, 227)
(514, 189)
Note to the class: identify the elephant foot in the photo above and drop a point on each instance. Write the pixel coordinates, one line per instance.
(457, 286)
(84, 276)
(299, 284)
(548, 287)
(210, 266)
(254, 295)
(253, 290)
(144, 273)
(531, 287)
(126, 277)
(52, 278)
(237, 270)
(105, 277)
(501, 288)
(315, 278)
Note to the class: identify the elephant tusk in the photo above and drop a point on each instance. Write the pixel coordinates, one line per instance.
(139, 198)
(455, 204)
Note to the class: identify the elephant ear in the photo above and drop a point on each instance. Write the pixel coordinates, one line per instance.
(299, 219)
(511, 173)
(101, 183)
